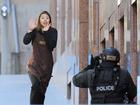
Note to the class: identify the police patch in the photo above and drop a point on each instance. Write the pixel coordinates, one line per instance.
(105, 88)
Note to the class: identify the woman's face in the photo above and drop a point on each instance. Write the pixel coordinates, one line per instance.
(44, 20)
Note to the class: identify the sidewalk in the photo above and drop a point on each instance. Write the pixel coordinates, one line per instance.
(15, 90)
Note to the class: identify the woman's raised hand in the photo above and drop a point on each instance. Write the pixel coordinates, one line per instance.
(32, 25)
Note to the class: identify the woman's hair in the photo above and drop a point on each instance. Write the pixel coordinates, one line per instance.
(39, 26)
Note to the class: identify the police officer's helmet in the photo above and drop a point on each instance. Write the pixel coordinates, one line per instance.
(110, 54)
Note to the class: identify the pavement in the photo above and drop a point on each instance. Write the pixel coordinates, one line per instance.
(15, 90)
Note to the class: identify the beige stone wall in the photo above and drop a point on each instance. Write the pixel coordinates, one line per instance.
(124, 20)
(107, 8)
(25, 10)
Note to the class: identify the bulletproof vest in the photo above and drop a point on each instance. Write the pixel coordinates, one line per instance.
(104, 89)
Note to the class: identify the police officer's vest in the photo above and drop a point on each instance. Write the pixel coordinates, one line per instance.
(104, 89)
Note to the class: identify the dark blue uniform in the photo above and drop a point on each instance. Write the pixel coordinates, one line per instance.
(107, 82)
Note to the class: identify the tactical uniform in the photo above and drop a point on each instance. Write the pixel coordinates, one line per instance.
(107, 82)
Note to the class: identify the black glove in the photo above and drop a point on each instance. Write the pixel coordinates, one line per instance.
(95, 61)
(84, 79)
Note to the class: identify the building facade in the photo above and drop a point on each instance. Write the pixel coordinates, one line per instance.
(87, 27)
(84, 27)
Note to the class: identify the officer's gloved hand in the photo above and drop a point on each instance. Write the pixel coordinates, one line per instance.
(95, 60)
(93, 63)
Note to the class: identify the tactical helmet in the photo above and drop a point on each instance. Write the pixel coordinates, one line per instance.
(110, 54)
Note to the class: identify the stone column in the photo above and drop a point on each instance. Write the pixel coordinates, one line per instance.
(63, 25)
(95, 49)
(133, 45)
(53, 11)
(83, 44)
(121, 41)
(138, 34)
(5, 54)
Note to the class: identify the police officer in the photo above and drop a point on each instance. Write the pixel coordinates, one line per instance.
(107, 82)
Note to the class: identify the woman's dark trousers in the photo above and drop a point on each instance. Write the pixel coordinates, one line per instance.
(38, 90)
